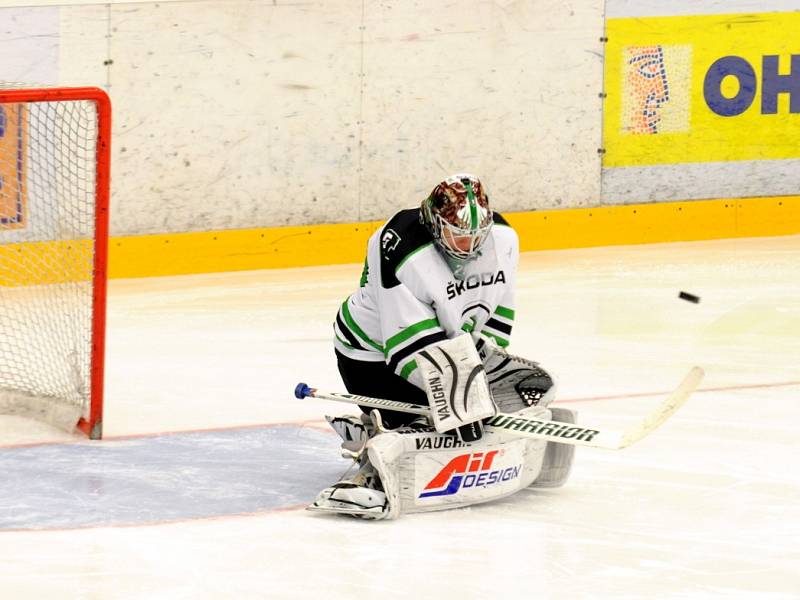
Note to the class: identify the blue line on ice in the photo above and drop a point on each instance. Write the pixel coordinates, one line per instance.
(167, 477)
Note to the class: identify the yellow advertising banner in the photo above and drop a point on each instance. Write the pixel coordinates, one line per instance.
(13, 202)
(702, 89)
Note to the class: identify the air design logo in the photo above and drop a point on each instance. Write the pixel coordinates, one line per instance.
(472, 470)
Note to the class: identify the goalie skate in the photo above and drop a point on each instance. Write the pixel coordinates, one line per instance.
(357, 497)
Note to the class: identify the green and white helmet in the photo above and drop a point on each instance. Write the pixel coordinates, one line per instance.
(456, 210)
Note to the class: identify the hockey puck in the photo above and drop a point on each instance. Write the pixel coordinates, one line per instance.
(689, 297)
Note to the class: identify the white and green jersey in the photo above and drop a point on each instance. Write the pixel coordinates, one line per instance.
(409, 297)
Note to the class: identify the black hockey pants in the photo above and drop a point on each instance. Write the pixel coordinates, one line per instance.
(377, 380)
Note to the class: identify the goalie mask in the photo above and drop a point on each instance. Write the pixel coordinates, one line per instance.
(458, 216)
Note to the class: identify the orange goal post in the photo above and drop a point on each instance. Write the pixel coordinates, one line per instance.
(54, 196)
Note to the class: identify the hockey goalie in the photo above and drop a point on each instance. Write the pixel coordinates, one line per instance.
(429, 326)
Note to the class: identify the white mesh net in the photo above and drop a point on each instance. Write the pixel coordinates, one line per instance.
(47, 210)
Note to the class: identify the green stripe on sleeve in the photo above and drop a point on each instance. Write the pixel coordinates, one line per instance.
(343, 343)
(364, 274)
(500, 341)
(505, 312)
(469, 326)
(348, 319)
(409, 367)
(409, 332)
(410, 254)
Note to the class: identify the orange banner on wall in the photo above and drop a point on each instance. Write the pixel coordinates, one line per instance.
(13, 197)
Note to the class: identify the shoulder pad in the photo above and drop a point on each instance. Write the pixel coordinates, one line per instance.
(499, 219)
(401, 236)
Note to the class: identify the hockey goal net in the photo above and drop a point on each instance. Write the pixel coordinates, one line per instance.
(54, 191)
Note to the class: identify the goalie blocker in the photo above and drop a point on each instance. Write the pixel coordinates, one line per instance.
(456, 386)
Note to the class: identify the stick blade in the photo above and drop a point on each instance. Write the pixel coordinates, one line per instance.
(670, 405)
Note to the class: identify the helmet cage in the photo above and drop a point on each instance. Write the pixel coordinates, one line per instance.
(445, 234)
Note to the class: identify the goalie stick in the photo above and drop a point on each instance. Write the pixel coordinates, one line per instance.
(553, 431)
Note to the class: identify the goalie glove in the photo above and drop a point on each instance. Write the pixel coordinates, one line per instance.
(456, 385)
(514, 382)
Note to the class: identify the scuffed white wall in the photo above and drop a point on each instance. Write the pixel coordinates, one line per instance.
(232, 115)
(237, 114)
(508, 90)
(29, 44)
(659, 8)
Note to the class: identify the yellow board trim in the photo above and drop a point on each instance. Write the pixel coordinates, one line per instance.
(658, 222)
(238, 250)
(276, 248)
(286, 247)
(41, 263)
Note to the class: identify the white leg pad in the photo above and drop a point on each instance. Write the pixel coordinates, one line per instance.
(558, 457)
(427, 471)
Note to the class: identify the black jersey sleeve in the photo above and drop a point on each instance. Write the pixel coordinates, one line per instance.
(499, 219)
(401, 236)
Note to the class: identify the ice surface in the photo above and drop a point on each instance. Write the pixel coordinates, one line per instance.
(169, 477)
(196, 491)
